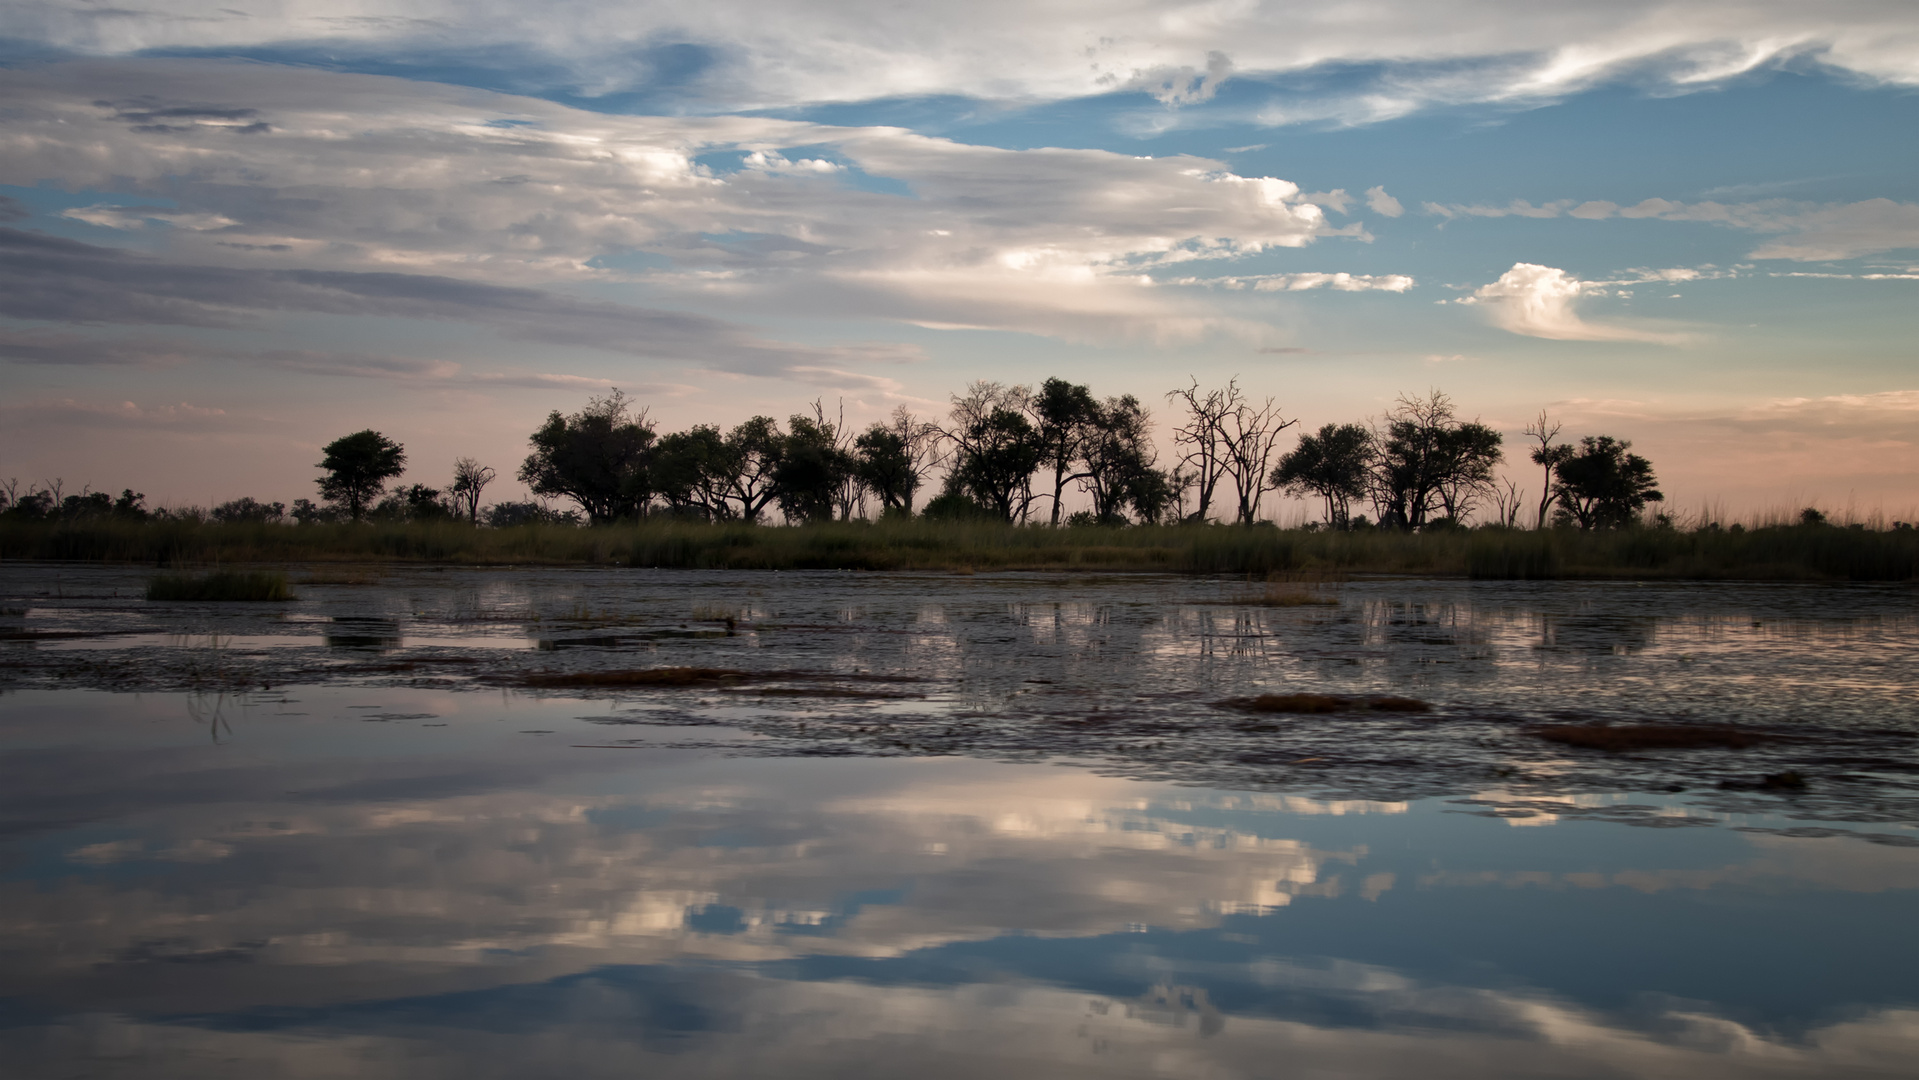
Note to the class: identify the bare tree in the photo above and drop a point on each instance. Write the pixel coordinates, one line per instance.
(1548, 456)
(1249, 436)
(1200, 440)
(469, 479)
(1507, 500)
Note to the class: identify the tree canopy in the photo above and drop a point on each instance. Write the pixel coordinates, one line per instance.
(597, 457)
(357, 469)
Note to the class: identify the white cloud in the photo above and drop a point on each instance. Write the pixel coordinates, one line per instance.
(1539, 301)
(762, 53)
(1383, 204)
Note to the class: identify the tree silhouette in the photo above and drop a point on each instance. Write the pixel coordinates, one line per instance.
(358, 467)
(1602, 486)
(469, 479)
(1331, 464)
(597, 457)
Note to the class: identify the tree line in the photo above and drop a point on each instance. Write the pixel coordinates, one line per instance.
(1010, 453)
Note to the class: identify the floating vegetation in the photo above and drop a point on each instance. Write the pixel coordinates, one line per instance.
(1626, 738)
(1327, 703)
(660, 676)
(221, 585)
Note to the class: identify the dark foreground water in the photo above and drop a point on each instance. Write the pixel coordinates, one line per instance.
(943, 826)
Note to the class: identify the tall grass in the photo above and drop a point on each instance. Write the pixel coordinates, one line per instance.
(1783, 552)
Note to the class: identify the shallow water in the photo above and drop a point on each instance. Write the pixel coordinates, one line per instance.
(993, 824)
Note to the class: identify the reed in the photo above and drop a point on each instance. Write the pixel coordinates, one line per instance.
(1781, 552)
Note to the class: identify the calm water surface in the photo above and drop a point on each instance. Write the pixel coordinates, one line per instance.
(949, 827)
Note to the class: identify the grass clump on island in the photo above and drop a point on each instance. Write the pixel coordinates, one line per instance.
(1774, 552)
(221, 585)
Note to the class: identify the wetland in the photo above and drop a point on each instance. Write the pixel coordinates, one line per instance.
(440, 820)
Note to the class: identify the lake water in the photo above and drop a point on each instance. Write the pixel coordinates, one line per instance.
(1009, 825)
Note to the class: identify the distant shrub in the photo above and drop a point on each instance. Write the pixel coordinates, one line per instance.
(221, 585)
(506, 515)
(248, 509)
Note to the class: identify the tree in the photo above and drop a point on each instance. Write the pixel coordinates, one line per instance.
(1249, 436)
(1067, 415)
(358, 467)
(1116, 457)
(812, 471)
(751, 456)
(1331, 464)
(1548, 456)
(893, 459)
(597, 457)
(996, 451)
(1603, 486)
(1200, 439)
(1429, 460)
(691, 470)
(884, 463)
(469, 479)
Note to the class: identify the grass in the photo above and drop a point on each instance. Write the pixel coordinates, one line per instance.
(1782, 552)
(221, 585)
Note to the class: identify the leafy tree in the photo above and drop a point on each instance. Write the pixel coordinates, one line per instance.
(597, 457)
(415, 502)
(1603, 486)
(691, 470)
(358, 467)
(883, 461)
(998, 455)
(469, 479)
(1430, 460)
(996, 449)
(1116, 456)
(1067, 415)
(753, 452)
(1331, 464)
(812, 470)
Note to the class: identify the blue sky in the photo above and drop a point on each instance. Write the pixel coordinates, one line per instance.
(230, 237)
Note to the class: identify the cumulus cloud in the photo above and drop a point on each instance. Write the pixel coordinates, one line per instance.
(761, 53)
(1540, 301)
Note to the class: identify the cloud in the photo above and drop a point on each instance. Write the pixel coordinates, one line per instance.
(474, 185)
(741, 54)
(49, 278)
(1338, 282)
(1811, 231)
(1383, 204)
(1539, 301)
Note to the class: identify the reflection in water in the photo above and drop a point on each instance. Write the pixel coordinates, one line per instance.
(441, 895)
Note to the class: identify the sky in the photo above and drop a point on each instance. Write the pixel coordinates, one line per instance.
(229, 235)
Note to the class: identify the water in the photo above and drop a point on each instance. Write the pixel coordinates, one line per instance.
(950, 826)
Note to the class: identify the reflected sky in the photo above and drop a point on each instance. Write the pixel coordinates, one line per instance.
(376, 880)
